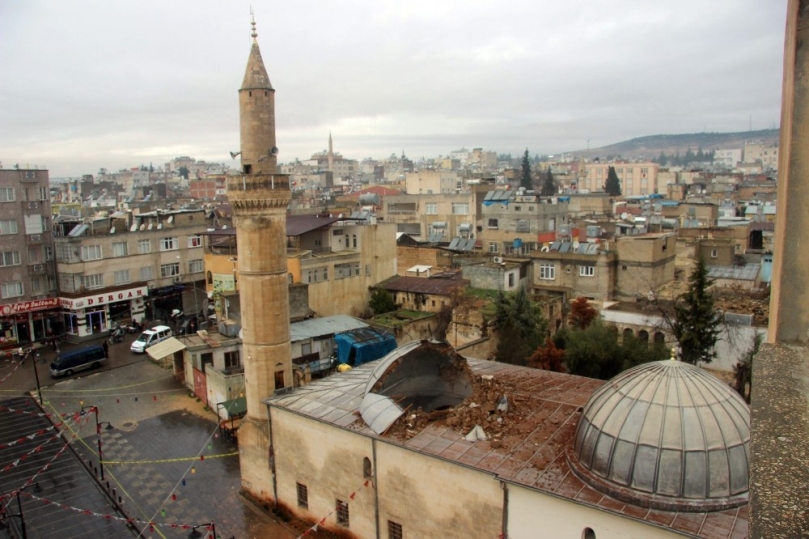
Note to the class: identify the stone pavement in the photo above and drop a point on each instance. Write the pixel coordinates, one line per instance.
(153, 452)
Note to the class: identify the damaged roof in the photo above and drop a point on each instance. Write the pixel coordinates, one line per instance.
(535, 455)
(422, 285)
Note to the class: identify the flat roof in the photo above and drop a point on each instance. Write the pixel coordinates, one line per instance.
(317, 327)
(533, 455)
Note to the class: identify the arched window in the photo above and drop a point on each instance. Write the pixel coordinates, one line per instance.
(660, 339)
(588, 533)
(628, 334)
(354, 237)
(209, 278)
(290, 280)
(643, 336)
(367, 470)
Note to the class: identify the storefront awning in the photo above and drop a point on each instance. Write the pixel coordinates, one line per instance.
(165, 348)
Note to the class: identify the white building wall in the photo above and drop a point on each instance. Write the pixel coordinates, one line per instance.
(533, 515)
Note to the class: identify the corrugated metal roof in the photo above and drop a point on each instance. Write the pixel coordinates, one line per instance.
(317, 327)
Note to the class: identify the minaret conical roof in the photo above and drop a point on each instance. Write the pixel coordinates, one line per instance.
(255, 76)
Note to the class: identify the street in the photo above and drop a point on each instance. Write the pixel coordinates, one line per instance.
(162, 453)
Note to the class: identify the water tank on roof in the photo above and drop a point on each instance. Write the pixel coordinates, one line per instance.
(369, 199)
(517, 243)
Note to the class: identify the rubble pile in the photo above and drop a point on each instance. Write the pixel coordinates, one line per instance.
(747, 302)
(494, 406)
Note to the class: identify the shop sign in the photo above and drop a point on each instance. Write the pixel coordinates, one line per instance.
(102, 299)
(28, 306)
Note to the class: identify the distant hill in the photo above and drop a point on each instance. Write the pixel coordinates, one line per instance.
(651, 146)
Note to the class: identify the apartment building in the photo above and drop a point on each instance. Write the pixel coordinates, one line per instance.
(29, 306)
(432, 217)
(125, 266)
(766, 154)
(512, 223)
(429, 182)
(636, 179)
(645, 263)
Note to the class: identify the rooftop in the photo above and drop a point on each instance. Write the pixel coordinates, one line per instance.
(532, 454)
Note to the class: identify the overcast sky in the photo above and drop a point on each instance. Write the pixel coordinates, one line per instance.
(89, 84)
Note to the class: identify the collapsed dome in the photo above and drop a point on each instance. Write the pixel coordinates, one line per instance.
(666, 435)
(420, 374)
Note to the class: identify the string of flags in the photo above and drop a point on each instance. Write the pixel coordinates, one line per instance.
(179, 459)
(111, 516)
(38, 448)
(322, 521)
(32, 479)
(17, 366)
(35, 414)
(31, 436)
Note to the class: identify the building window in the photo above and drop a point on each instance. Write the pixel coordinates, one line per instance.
(122, 277)
(169, 244)
(196, 266)
(8, 226)
(194, 241)
(43, 193)
(12, 290)
(170, 270)
(523, 225)
(232, 359)
(394, 530)
(7, 194)
(66, 253)
(349, 269)
(342, 513)
(493, 223)
(587, 271)
(493, 247)
(460, 208)
(431, 208)
(91, 252)
(120, 249)
(354, 240)
(303, 496)
(517, 208)
(10, 258)
(547, 272)
(588, 533)
(144, 246)
(714, 253)
(48, 252)
(91, 282)
(145, 273)
(510, 280)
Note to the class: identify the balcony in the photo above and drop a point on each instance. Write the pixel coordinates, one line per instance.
(37, 269)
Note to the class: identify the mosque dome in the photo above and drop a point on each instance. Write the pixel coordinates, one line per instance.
(665, 435)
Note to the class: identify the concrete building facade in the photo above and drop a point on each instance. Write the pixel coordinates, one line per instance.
(29, 309)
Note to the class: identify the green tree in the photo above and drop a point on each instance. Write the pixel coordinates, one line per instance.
(612, 186)
(525, 179)
(549, 185)
(662, 159)
(595, 351)
(520, 327)
(381, 301)
(696, 324)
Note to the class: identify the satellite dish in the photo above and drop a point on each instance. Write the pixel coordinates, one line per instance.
(159, 226)
(112, 230)
(170, 219)
(224, 227)
(134, 228)
(150, 226)
(143, 226)
(624, 215)
(234, 155)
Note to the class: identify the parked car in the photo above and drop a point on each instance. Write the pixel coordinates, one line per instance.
(150, 337)
(88, 357)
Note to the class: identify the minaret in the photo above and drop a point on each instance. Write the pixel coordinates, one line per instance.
(259, 198)
(331, 155)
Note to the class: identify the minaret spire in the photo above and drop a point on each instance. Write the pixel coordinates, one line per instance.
(253, 24)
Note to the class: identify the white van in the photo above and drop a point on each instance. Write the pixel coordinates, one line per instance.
(149, 338)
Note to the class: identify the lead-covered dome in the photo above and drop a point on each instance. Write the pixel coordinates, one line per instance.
(666, 435)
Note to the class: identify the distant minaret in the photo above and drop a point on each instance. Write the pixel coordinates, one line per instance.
(331, 155)
(259, 197)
